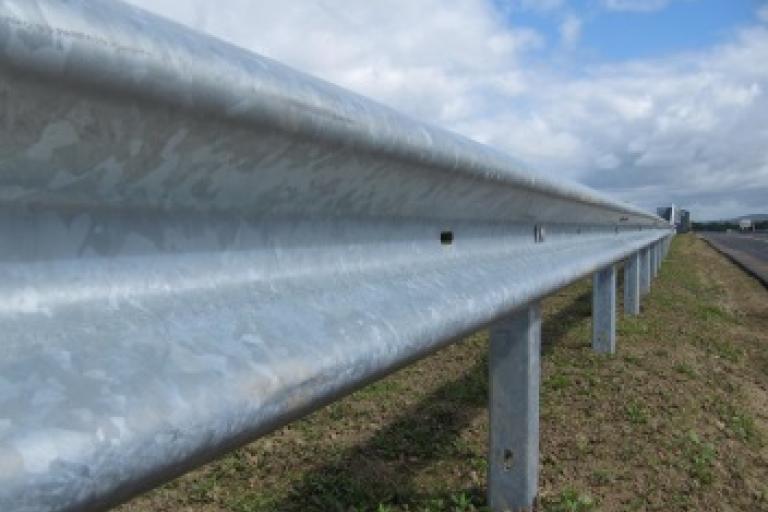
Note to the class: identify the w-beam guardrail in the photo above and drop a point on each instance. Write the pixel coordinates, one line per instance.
(201, 245)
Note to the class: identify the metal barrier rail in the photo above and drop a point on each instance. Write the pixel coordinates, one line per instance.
(201, 245)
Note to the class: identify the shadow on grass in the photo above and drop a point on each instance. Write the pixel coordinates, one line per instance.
(383, 469)
(553, 330)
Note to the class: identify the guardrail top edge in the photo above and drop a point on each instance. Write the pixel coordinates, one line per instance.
(119, 47)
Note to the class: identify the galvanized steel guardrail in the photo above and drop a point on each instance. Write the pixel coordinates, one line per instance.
(201, 245)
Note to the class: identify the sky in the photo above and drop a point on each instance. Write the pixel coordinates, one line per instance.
(650, 101)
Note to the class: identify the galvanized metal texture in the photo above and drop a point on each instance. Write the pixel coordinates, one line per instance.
(604, 310)
(514, 381)
(201, 245)
(632, 285)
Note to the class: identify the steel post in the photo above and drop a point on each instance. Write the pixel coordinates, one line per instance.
(658, 257)
(661, 254)
(645, 271)
(604, 310)
(514, 371)
(632, 285)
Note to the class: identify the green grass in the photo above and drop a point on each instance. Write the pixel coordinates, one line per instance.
(570, 500)
(633, 326)
(557, 382)
(740, 423)
(636, 414)
(699, 458)
(685, 369)
(714, 313)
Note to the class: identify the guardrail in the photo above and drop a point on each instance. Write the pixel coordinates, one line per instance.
(202, 245)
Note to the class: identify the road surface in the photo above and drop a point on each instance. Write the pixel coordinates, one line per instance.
(749, 250)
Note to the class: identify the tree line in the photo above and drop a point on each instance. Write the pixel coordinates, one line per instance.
(726, 225)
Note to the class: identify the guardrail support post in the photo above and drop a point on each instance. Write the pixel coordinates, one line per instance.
(653, 259)
(645, 271)
(632, 285)
(604, 310)
(658, 257)
(514, 371)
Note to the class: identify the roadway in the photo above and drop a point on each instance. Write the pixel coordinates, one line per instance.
(749, 250)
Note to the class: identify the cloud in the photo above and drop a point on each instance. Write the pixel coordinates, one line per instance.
(762, 13)
(689, 130)
(686, 128)
(570, 31)
(635, 5)
(426, 58)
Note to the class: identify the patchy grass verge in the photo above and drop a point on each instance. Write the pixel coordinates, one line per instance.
(677, 420)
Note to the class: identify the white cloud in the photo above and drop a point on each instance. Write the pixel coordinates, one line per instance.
(607, 161)
(424, 57)
(762, 13)
(635, 5)
(688, 128)
(570, 30)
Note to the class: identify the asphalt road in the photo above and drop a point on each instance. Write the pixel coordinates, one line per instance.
(749, 250)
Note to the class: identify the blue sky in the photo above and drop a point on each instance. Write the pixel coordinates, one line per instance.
(651, 101)
(658, 30)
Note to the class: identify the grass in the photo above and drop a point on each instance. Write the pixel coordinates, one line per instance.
(699, 458)
(636, 413)
(741, 424)
(570, 500)
(685, 369)
(675, 421)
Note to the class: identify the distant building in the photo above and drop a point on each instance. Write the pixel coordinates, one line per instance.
(677, 216)
(685, 222)
(671, 213)
(746, 225)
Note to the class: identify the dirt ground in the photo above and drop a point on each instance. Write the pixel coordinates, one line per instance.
(676, 420)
